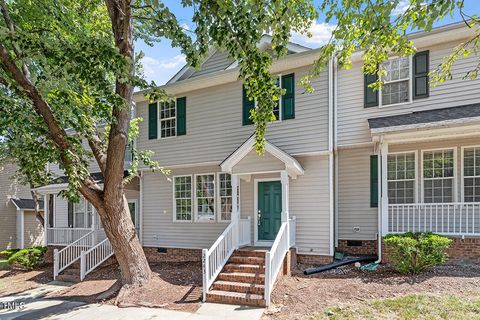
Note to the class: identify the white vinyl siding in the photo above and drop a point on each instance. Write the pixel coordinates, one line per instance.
(471, 174)
(352, 116)
(215, 130)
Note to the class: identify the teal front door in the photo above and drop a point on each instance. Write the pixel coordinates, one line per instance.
(269, 209)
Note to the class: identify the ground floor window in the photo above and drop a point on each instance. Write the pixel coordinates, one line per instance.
(205, 196)
(225, 196)
(438, 176)
(471, 174)
(183, 198)
(80, 214)
(401, 177)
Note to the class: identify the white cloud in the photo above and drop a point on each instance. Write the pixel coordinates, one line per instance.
(321, 33)
(402, 6)
(161, 71)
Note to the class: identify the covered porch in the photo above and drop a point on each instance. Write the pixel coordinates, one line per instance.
(429, 171)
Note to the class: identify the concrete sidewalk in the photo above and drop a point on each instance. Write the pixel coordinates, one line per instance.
(32, 305)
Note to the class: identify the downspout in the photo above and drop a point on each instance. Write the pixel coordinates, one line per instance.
(335, 152)
(379, 211)
(330, 154)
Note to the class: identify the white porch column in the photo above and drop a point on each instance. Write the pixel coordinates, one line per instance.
(384, 186)
(235, 214)
(285, 192)
(46, 222)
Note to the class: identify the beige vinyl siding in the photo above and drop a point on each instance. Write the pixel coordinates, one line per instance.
(33, 230)
(8, 214)
(253, 162)
(352, 116)
(215, 130)
(354, 195)
(309, 202)
(456, 144)
(61, 212)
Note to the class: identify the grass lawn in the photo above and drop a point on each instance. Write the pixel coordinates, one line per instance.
(408, 307)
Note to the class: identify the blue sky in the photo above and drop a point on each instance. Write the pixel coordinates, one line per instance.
(162, 61)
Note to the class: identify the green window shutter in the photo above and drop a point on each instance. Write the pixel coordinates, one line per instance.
(247, 105)
(420, 75)
(152, 120)
(374, 181)
(70, 215)
(370, 95)
(181, 116)
(288, 99)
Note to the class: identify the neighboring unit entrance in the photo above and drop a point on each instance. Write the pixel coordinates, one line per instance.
(269, 215)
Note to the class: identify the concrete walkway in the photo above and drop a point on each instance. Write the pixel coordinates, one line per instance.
(32, 305)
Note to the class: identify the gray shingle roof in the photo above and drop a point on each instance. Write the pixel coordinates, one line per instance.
(26, 204)
(429, 116)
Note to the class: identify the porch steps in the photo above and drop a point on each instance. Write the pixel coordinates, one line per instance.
(241, 280)
(70, 274)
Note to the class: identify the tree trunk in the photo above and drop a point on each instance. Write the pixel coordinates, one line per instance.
(129, 253)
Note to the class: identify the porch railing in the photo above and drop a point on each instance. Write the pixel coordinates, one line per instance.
(71, 253)
(94, 257)
(65, 236)
(461, 218)
(274, 259)
(245, 232)
(293, 231)
(214, 259)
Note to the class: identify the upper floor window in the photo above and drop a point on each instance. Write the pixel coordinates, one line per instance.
(438, 176)
(471, 174)
(401, 177)
(167, 119)
(396, 82)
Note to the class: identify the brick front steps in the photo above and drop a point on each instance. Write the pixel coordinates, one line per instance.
(71, 274)
(241, 280)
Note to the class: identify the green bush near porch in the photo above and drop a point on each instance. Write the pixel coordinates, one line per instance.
(7, 253)
(415, 252)
(29, 258)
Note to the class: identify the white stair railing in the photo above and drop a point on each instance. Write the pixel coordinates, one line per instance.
(65, 236)
(71, 253)
(94, 257)
(216, 257)
(245, 232)
(274, 259)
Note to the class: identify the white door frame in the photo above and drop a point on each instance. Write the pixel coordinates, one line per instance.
(256, 242)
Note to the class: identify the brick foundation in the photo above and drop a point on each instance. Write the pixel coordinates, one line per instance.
(461, 250)
(309, 259)
(366, 247)
(173, 255)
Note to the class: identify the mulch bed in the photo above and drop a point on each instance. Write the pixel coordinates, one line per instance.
(15, 281)
(298, 296)
(175, 286)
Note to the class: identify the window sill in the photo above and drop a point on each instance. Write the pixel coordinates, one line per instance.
(395, 104)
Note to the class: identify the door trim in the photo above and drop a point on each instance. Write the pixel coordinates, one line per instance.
(256, 242)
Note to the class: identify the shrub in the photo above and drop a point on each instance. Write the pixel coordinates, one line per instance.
(415, 252)
(7, 253)
(28, 258)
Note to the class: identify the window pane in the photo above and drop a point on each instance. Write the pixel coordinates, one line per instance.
(438, 176)
(205, 191)
(471, 170)
(401, 178)
(183, 201)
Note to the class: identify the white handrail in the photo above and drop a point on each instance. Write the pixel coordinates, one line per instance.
(71, 253)
(215, 258)
(274, 259)
(94, 257)
(458, 218)
(65, 236)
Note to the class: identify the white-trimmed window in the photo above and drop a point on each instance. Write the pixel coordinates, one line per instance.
(401, 177)
(205, 197)
(183, 198)
(82, 213)
(167, 118)
(471, 174)
(396, 81)
(225, 196)
(438, 176)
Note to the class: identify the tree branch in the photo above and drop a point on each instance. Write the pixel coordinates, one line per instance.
(96, 146)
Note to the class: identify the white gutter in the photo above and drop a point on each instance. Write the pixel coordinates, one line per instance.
(335, 137)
